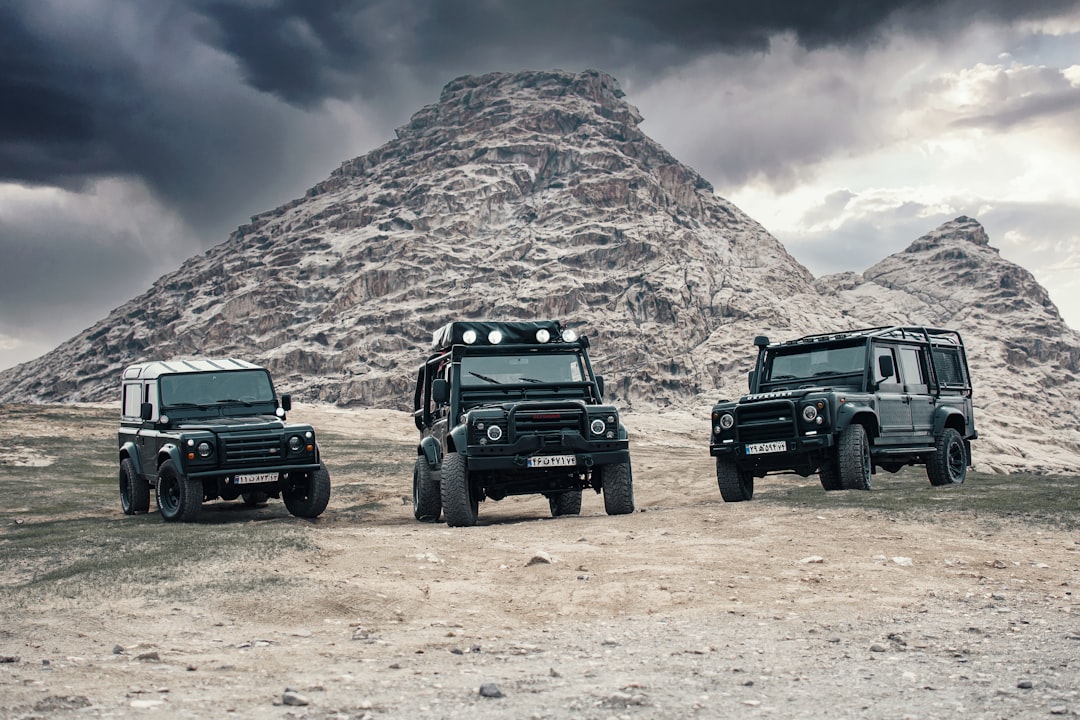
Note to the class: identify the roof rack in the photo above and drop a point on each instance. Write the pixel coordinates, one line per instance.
(929, 335)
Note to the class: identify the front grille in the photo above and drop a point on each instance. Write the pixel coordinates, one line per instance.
(251, 449)
(540, 422)
(761, 422)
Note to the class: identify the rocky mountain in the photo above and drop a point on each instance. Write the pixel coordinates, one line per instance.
(536, 194)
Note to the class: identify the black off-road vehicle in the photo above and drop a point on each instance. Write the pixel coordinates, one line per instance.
(513, 408)
(846, 404)
(198, 430)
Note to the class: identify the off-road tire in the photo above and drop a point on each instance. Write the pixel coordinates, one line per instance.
(736, 484)
(459, 503)
(565, 503)
(853, 458)
(948, 464)
(617, 481)
(255, 498)
(178, 496)
(830, 477)
(134, 491)
(307, 494)
(426, 495)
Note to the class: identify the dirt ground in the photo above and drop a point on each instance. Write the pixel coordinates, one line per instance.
(688, 608)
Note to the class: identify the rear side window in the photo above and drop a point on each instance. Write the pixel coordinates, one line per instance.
(132, 399)
(948, 368)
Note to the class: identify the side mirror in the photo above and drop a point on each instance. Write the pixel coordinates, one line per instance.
(286, 402)
(885, 366)
(761, 341)
(600, 385)
(751, 378)
(440, 391)
(146, 411)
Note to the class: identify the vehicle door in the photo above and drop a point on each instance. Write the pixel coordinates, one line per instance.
(913, 374)
(148, 439)
(894, 412)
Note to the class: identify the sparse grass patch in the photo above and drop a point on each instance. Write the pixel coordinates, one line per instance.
(1052, 500)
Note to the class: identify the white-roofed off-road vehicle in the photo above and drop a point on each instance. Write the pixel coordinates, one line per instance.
(513, 408)
(196, 430)
(845, 404)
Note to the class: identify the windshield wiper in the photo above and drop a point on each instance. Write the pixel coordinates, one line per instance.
(485, 378)
(531, 380)
(245, 403)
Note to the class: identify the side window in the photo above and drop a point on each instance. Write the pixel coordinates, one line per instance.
(911, 366)
(150, 396)
(885, 352)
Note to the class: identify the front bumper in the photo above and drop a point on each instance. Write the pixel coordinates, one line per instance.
(515, 456)
(799, 454)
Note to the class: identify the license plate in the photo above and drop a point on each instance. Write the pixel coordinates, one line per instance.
(545, 461)
(766, 447)
(255, 478)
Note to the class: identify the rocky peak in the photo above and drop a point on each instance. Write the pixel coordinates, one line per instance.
(961, 229)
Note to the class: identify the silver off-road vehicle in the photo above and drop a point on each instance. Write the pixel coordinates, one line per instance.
(513, 408)
(198, 430)
(844, 405)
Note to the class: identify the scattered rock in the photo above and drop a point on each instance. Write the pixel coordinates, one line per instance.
(878, 648)
(812, 560)
(151, 656)
(1025, 684)
(293, 698)
(491, 690)
(903, 561)
(118, 650)
(539, 558)
(10, 658)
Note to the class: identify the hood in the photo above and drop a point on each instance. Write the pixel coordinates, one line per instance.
(228, 423)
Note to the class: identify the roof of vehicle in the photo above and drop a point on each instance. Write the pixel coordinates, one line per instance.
(929, 335)
(156, 368)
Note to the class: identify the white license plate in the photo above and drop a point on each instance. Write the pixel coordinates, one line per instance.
(767, 447)
(255, 478)
(545, 461)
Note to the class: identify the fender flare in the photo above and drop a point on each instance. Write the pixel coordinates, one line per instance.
(128, 451)
(431, 450)
(850, 413)
(942, 418)
(172, 452)
(457, 438)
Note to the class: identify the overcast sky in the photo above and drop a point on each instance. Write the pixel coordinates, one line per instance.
(137, 134)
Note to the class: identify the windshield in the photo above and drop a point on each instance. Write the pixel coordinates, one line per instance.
(234, 386)
(814, 362)
(524, 369)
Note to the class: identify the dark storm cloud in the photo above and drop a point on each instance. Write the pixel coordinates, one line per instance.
(130, 88)
(305, 51)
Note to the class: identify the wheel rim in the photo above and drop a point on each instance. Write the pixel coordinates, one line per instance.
(956, 461)
(125, 492)
(169, 492)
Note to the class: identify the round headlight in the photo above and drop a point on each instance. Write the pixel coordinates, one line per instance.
(542, 335)
(205, 449)
(597, 426)
(809, 413)
(494, 433)
(295, 443)
(469, 336)
(569, 335)
(727, 420)
(495, 337)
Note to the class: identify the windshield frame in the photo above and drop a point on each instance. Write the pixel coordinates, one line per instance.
(248, 387)
(815, 364)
